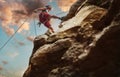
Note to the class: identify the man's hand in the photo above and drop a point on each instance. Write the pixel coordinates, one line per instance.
(60, 18)
(39, 23)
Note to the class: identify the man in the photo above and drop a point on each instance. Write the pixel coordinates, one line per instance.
(44, 17)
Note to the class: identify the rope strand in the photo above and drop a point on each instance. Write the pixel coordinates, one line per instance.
(12, 35)
(35, 28)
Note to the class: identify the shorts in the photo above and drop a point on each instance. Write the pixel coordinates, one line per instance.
(47, 24)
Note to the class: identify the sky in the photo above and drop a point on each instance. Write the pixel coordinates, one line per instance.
(14, 57)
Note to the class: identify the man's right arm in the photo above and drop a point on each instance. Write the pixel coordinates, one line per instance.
(53, 16)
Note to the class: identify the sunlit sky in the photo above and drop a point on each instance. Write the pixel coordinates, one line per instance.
(14, 57)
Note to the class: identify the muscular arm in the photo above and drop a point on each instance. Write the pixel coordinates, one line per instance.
(53, 16)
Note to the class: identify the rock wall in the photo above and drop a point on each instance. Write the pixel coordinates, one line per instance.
(89, 48)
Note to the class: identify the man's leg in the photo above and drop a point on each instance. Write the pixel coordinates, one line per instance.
(51, 29)
(48, 25)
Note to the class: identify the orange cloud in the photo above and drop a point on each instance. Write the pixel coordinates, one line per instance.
(4, 62)
(14, 12)
(21, 43)
(25, 26)
(2, 1)
(30, 38)
(65, 4)
(8, 30)
(2, 76)
(1, 68)
(8, 17)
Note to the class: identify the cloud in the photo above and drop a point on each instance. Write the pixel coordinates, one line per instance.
(2, 1)
(65, 4)
(1, 68)
(25, 26)
(4, 62)
(2, 76)
(19, 42)
(8, 30)
(30, 38)
(13, 54)
(8, 17)
(14, 12)
(33, 4)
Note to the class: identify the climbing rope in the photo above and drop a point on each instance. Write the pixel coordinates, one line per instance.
(13, 35)
(35, 27)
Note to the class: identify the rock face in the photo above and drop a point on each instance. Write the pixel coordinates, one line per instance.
(88, 48)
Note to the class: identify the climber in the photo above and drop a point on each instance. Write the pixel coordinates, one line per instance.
(44, 17)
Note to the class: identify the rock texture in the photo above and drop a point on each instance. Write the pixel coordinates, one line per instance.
(90, 48)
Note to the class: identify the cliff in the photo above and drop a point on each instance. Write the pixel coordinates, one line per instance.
(86, 45)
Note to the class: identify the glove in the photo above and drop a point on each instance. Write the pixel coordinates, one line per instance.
(60, 18)
(39, 23)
